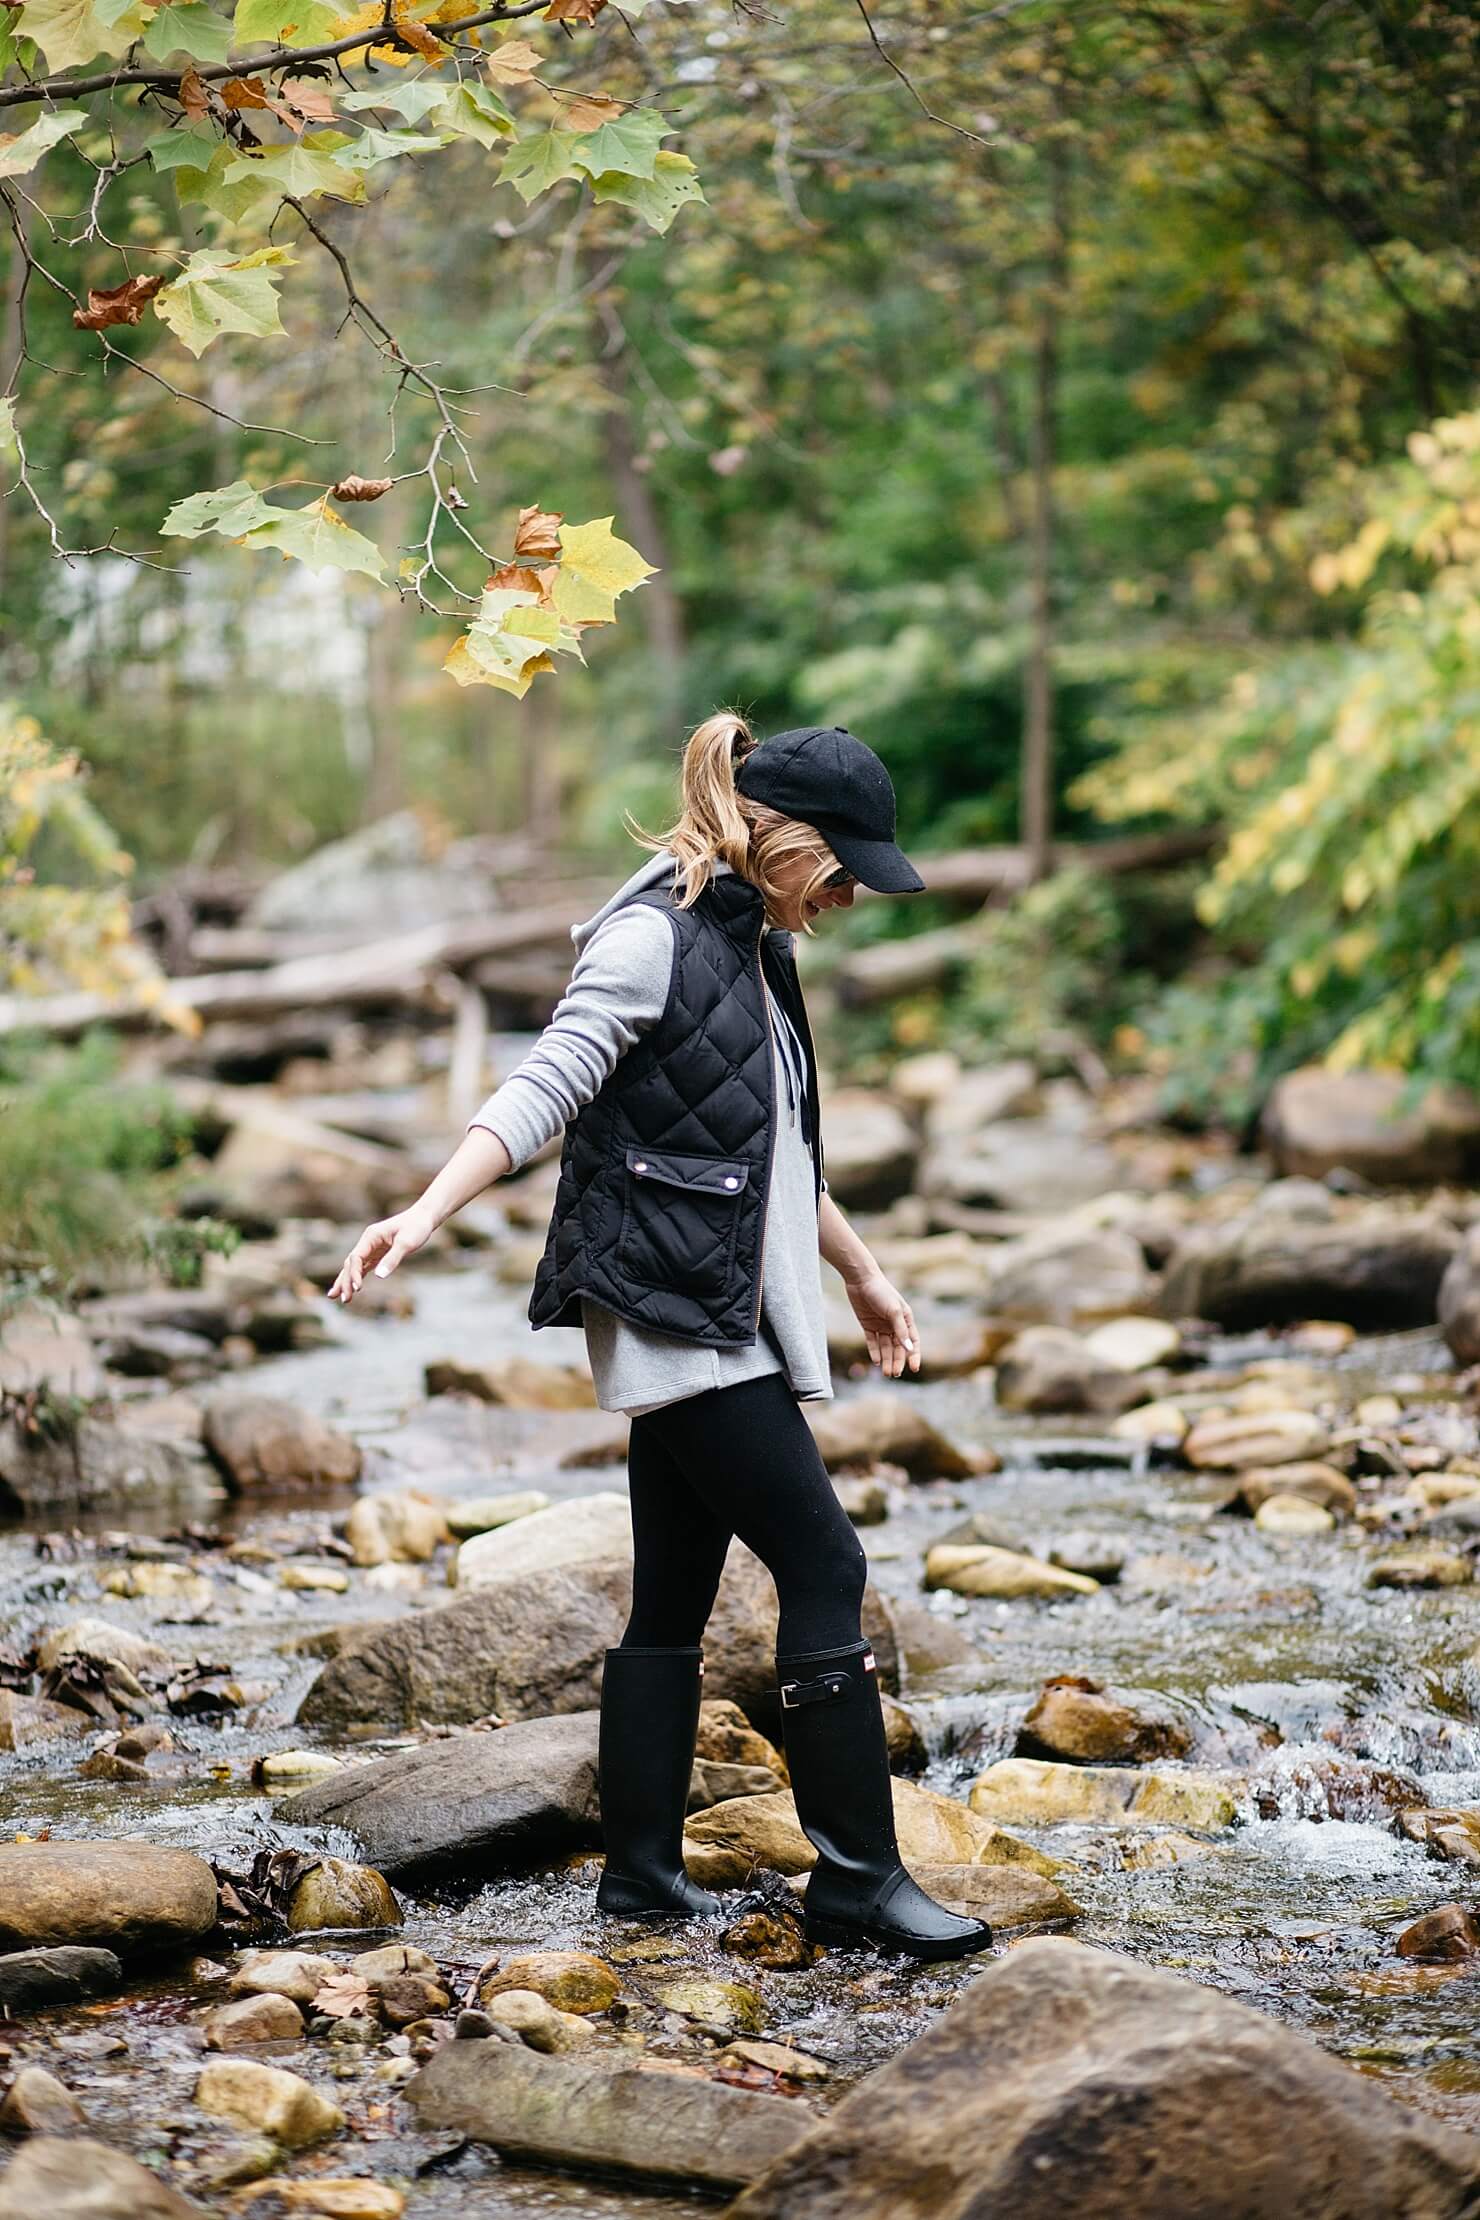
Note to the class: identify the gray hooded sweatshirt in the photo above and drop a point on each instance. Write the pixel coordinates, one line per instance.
(617, 989)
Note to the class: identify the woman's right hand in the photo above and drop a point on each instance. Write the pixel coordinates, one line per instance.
(381, 1248)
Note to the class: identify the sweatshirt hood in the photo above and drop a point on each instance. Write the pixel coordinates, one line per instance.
(657, 870)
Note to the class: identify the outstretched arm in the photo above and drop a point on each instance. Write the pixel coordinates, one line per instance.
(886, 1318)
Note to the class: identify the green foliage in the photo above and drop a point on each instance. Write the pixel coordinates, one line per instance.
(85, 1159)
(1039, 979)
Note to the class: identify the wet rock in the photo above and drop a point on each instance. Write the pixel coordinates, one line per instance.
(950, 1351)
(302, 1579)
(726, 1737)
(962, 1103)
(521, 1383)
(1317, 1483)
(1254, 1438)
(728, 2006)
(1069, 2080)
(404, 1997)
(865, 1501)
(483, 1804)
(340, 2197)
(268, 2018)
(1294, 1515)
(572, 1980)
(1446, 1935)
(1079, 1719)
(267, 2100)
(36, 2103)
(187, 1595)
(764, 1831)
(479, 1514)
(981, 1570)
(1377, 1268)
(1097, 1556)
(1059, 1279)
(1038, 1164)
(45, 1348)
(1421, 1567)
(1033, 1792)
(1005, 1896)
(1161, 1425)
(390, 1961)
(585, 1529)
(282, 1770)
(110, 1645)
(126, 1895)
(768, 1938)
(889, 1427)
(624, 2119)
(297, 1974)
(34, 1980)
(1459, 1300)
(1134, 1343)
(335, 1893)
(1445, 1834)
(536, 2021)
(398, 1527)
(102, 1461)
(145, 1753)
(1317, 1121)
(776, 2058)
(74, 2178)
(1047, 1368)
(28, 1719)
(262, 1442)
(1298, 1784)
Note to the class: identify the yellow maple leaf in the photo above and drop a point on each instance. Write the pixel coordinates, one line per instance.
(594, 553)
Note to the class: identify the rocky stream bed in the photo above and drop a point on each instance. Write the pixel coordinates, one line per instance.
(1173, 1588)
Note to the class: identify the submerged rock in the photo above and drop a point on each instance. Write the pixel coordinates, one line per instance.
(1447, 1935)
(1032, 1792)
(268, 2018)
(335, 1893)
(1067, 2080)
(1445, 1834)
(625, 2119)
(267, 2099)
(536, 2021)
(981, 1570)
(128, 1895)
(572, 1980)
(74, 2178)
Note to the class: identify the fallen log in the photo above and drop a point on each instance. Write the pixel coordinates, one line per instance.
(980, 873)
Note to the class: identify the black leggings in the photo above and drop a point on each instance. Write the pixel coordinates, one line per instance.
(738, 1460)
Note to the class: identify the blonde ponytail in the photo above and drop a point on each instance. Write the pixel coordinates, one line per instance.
(716, 824)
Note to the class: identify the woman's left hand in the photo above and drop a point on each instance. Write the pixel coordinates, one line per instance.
(888, 1323)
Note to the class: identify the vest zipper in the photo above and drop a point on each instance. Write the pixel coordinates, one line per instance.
(760, 1256)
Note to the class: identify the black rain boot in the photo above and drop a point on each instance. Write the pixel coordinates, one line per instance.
(645, 1760)
(832, 1724)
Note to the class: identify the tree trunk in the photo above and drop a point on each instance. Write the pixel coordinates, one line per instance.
(1038, 686)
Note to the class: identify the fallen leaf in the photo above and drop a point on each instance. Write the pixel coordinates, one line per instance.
(344, 1996)
(360, 489)
(116, 304)
(538, 533)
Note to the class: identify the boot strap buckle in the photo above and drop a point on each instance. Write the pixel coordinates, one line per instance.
(824, 1689)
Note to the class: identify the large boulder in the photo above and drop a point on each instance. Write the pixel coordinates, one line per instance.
(1047, 1368)
(74, 2178)
(103, 1460)
(1073, 1276)
(1377, 1268)
(389, 877)
(121, 1895)
(890, 1428)
(1070, 2081)
(1319, 1121)
(583, 1530)
(871, 1149)
(473, 1805)
(1022, 1164)
(619, 2118)
(48, 1348)
(35, 1980)
(528, 1644)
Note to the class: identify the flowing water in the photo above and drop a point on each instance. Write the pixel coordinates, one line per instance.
(1275, 1652)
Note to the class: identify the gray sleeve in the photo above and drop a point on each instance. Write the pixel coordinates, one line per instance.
(617, 989)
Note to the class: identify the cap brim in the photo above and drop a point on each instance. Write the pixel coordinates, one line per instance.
(878, 864)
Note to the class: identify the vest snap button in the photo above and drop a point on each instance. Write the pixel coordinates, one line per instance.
(639, 1167)
(732, 1182)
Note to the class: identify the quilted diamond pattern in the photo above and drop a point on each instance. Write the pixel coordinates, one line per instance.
(675, 1249)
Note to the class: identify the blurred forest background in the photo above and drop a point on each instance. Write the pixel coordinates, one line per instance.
(1078, 403)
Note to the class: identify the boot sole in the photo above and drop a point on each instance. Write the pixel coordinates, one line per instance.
(840, 1935)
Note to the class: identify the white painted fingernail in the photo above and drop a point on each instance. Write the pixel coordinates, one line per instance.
(382, 1271)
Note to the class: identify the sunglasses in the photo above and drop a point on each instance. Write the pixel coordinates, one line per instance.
(837, 880)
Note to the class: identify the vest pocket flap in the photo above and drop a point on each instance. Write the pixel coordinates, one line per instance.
(705, 1175)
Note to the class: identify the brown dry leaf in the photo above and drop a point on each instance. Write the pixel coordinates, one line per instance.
(116, 304)
(344, 1996)
(194, 98)
(360, 489)
(244, 92)
(573, 11)
(513, 63)
(314, 103)
(588, 111)
(538, 533)
(515, 575)
(417, 35)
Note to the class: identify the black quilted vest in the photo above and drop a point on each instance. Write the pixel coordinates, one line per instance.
(660, 1205)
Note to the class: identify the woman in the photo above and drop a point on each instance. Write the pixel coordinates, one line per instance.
(689, 1217)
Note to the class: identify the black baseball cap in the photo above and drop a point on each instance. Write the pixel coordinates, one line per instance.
(833, 782)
